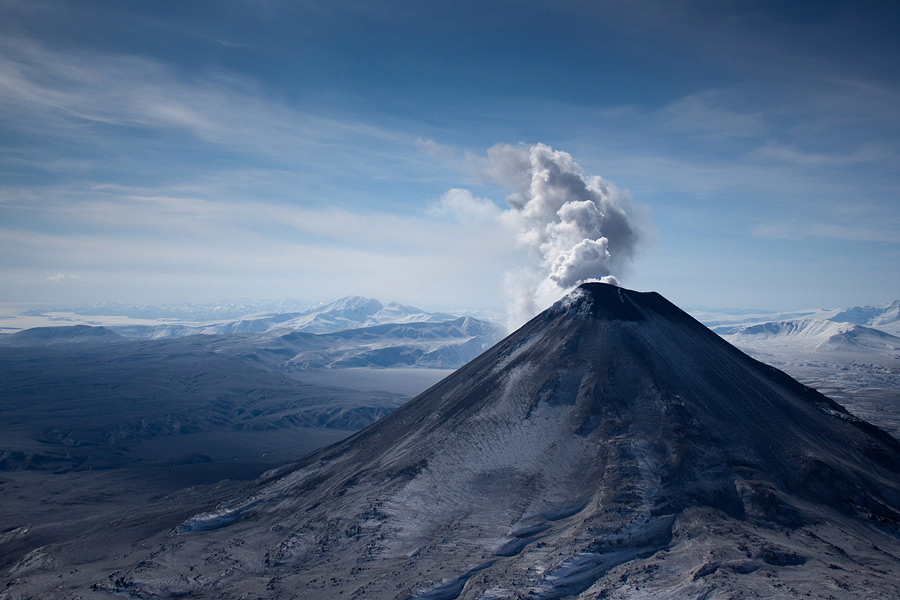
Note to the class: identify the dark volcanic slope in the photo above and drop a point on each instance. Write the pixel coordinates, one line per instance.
(612, 447)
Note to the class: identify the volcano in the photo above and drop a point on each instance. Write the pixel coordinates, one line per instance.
(613, 447)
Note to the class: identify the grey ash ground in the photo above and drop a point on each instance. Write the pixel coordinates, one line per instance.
(611, 448)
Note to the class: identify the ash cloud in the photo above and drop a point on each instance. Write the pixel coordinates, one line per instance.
(574, 227)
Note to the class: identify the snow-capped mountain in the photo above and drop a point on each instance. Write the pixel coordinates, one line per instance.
(612, 447)
(442, 344)
(355, 311)
(161, 322)
(437, 345)
(350, 332)
(885, 317)
(352, 312)
(816, 336)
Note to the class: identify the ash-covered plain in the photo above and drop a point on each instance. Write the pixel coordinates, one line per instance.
(611, 448)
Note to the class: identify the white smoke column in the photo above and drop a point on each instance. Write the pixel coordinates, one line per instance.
(577, 227)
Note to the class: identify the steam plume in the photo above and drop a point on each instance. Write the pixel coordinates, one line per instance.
(577, 228)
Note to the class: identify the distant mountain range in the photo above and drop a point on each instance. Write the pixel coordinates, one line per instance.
(885, 317)
(350, 332)
(350, 312)
(443, 345)
(356, 331)
(246, 316)
(818, 335)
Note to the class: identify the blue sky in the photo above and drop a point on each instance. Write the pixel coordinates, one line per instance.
(195, 151)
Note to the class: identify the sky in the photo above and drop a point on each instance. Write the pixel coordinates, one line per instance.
(164, 152)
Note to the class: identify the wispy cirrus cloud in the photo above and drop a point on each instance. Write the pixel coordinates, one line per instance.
(215, 210)
(103, 99)
(209, 268)
(292, 212)
(709, 115)
(849, 233)
(777, 153)
(154, 237)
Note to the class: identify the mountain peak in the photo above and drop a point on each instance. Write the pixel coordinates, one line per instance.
(606, 302)
(610, 302)
(353, 303)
